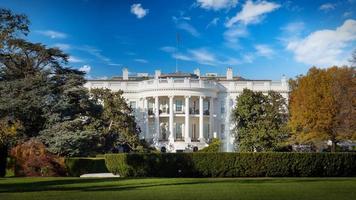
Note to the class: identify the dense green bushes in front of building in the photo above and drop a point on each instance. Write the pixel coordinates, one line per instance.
(232, 164)
(79, 166)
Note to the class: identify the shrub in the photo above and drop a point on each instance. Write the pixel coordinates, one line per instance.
(214, 146)
(233, 164)
(79, 166)
(32, 159)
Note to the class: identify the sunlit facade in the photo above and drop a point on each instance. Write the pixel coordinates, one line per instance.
(179, 111)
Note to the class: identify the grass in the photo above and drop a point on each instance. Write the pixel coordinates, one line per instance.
(177, 188)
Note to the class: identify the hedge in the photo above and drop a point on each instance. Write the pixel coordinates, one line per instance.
(79, 166)
(232, 164)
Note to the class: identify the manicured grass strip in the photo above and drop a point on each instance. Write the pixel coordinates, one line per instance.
(178, 188)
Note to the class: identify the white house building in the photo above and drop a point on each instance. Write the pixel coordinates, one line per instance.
(180, 111)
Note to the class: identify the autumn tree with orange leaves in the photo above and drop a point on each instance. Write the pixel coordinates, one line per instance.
(323, 106)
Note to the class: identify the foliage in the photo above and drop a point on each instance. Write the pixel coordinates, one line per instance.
(32, 159)
(8, 130)
(79, 166)
(25, 74)
(49, 99)
(118, 120)
(232, 164)
(353, 59)
(72, 126)
(214, 146)
(260, 121)
(322, 106)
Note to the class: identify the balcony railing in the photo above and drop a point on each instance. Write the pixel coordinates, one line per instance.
(192, 111)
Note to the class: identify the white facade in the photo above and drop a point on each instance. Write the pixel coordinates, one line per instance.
(180, 111)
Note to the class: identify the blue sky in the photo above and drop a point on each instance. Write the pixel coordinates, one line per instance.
(258, 39)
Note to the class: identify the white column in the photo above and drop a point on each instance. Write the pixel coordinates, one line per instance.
(201, 119)
(186, 124)
(156, 136)
(171, 136)
(145, 106)
(211, 118)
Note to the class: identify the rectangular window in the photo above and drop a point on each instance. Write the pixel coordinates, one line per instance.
(222, 109)
(133, 104)
(222, 131)
(179, 105)
(179, 131)
(206, 129)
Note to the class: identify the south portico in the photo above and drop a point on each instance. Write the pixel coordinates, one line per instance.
(179, 122)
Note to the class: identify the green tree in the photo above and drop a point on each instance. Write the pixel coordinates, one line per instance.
(260, 121)
(72, 127)
(119, 125)
(322, 106)
(25, 71)
(42, 93)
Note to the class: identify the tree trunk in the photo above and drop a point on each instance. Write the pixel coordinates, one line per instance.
(3, 160)
(333, 146)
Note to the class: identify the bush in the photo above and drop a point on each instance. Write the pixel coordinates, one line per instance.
(233, 164)
(32, 159)
(79, 166)
(214, 146)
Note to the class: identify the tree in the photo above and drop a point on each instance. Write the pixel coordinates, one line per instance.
(119, 125)
(38, 90)
(214, 147)
(322, 106)
(260, 121)
(9, 129)
(353, 59)
(25, 73)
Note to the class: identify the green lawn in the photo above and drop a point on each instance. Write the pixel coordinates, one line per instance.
(178, 188)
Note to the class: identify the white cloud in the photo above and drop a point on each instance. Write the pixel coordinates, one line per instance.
(252, 13)
(180, 56)
(216, 4)
(62, 46)
(325, 47)
(138, 10)
(85, 68)
(327, 7)
(114, 64)
(203, 56)
(188, 28)
(213, 22)
(291, 31)
(97, 53)
(74, 59)
(140, 60)
(347, 14)
(264, 50)
(52, 34)
(168, 49)
(293, 27)
(233, 33)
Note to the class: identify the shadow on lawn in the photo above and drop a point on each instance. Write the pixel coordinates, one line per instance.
(118, 184)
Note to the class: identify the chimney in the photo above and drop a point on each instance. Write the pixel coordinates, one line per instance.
(157, 73)
(197, 72)
(125, 74)
(229, 74)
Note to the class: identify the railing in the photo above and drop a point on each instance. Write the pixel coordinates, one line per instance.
(187, 83)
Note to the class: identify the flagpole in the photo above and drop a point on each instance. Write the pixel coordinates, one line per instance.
(177, 46)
